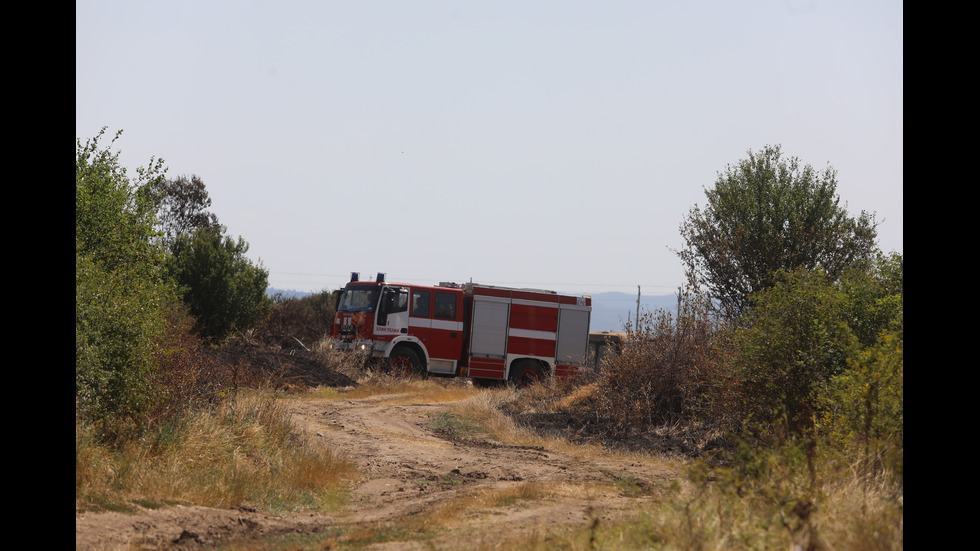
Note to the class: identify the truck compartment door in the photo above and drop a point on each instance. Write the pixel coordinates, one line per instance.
(488, 336)
(573, 335)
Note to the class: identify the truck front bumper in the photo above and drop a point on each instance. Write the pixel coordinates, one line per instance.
(367, 348)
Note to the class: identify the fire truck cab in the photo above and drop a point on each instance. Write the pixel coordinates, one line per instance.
(488, 333)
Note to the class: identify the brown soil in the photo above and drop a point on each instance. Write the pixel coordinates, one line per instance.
(409, 467)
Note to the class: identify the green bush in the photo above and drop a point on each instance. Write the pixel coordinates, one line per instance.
(874, 292)
(222, 288)
(117, 326)
(808, 334)
(865, 405)
(114, 216)
(119, 299)
(793, 341)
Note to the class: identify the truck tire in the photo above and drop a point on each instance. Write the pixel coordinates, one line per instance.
(525, 373)
(403, 362)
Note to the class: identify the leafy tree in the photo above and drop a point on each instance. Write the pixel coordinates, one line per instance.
(769, 213)
(182, 206)
(875, 292)
(219, 284)
(119, 298)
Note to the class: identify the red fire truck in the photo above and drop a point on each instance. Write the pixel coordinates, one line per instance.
(485, 332)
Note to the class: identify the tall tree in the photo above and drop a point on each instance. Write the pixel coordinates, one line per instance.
(182, 206)
(770, 213)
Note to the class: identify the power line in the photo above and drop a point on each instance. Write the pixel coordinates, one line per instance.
(429, 281)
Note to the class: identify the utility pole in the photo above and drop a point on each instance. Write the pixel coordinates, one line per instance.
(637, 306)
(677, 322)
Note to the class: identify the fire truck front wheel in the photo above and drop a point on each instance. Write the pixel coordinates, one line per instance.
(526, 372)
(404, 362)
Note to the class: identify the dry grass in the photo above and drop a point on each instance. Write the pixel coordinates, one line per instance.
(344, 362)
(785, 509)
(242, 453)
(485, 408)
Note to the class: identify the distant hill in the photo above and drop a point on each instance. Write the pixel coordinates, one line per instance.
(610, 311)
(286, 293)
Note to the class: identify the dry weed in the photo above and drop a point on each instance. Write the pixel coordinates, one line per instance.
(345, 362)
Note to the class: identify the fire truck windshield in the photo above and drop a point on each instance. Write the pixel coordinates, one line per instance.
(358, 299)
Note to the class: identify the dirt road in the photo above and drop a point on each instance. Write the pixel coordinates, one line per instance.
(420, 468)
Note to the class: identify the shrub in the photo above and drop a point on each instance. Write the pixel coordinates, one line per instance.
(864, 406)
(669, 371)
(794, 340)
(222, 288)
(190, 374)
(119, 299)
(808, 331)
(114, 338)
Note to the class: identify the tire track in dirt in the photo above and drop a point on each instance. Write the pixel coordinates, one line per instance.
(409, 467)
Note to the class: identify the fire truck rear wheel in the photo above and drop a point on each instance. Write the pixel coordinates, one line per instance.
(404, 362)
(525, 373)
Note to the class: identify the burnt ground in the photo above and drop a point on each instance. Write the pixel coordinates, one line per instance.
(283, 367)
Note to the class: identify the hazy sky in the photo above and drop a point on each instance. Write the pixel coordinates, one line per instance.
(554, 144)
